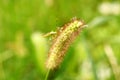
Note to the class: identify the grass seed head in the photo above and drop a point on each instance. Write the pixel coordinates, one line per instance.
(60, 44)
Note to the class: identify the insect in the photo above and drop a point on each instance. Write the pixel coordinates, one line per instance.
(64, 37)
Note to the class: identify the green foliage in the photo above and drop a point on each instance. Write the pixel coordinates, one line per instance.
(94, 55)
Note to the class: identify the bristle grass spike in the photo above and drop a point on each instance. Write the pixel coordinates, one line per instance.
(64, 38)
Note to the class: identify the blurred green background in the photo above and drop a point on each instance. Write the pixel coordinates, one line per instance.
(94, 55)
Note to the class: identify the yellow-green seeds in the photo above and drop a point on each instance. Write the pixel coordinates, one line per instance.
(64, 38)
